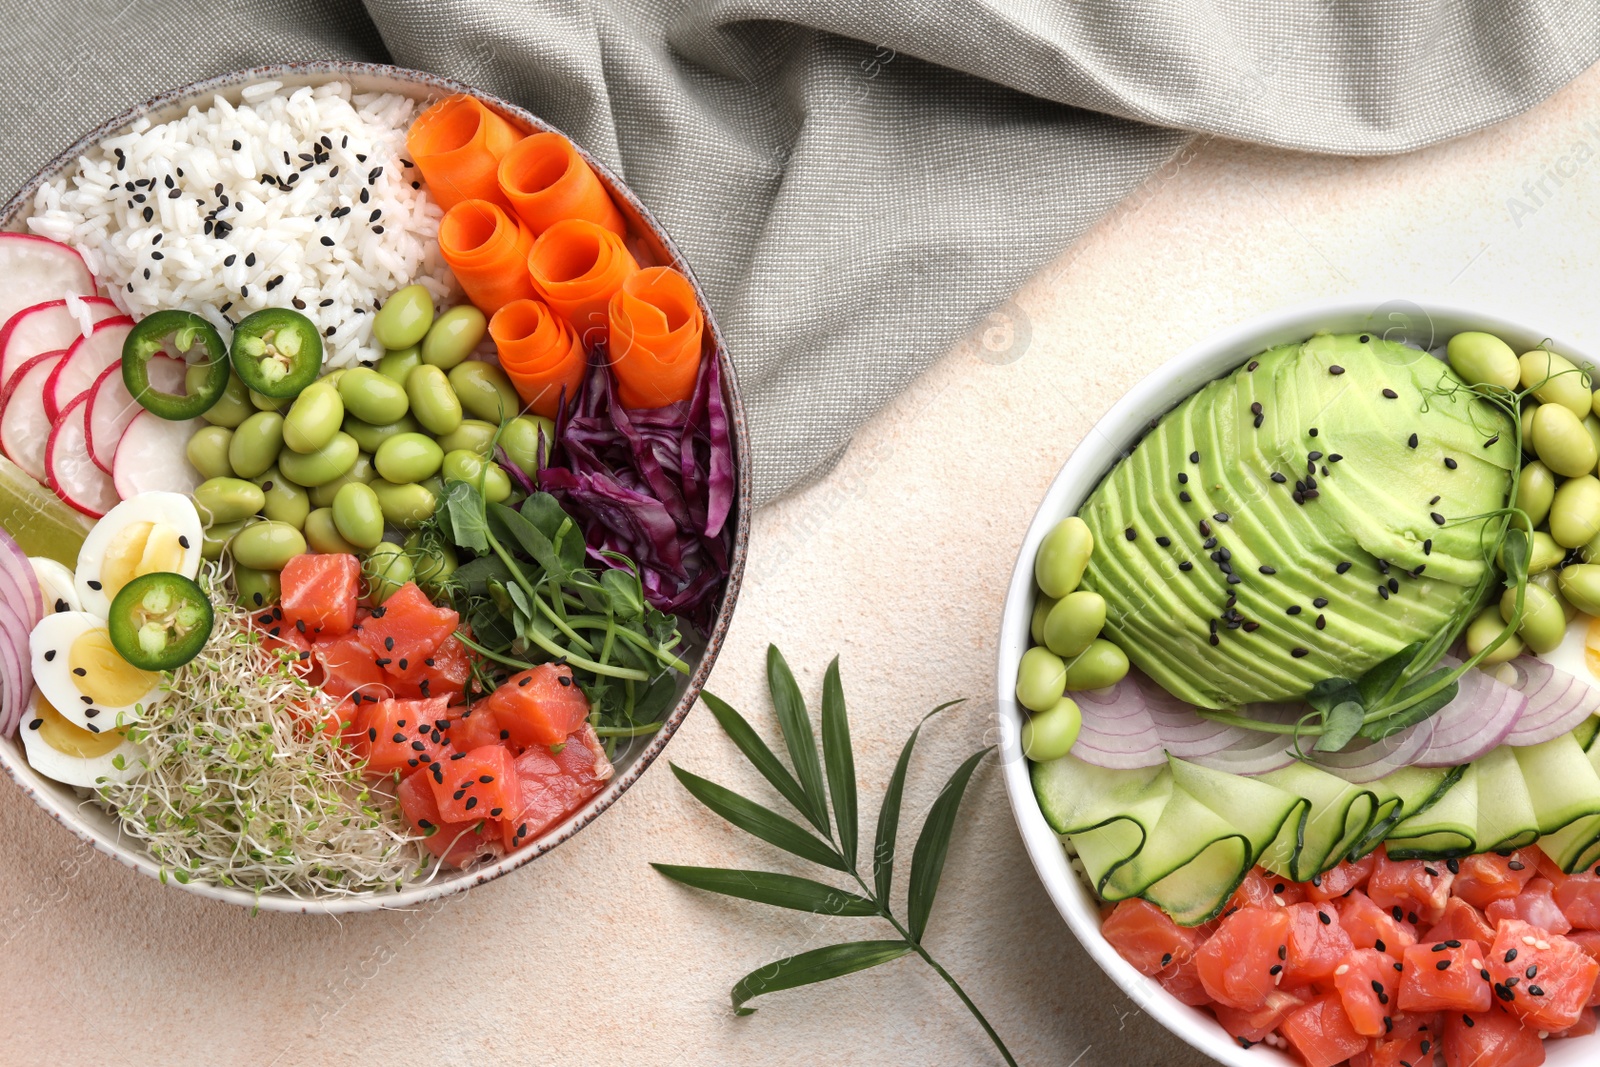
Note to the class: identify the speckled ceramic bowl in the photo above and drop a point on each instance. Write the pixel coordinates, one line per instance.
(99, 830)
(1420, 322)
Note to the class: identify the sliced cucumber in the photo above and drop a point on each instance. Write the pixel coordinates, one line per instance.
(1076, 796)
(1447, 827)
(1561, 781)
(1585, 732)
(1576, 845)
(1336, 815)
(1414, 789)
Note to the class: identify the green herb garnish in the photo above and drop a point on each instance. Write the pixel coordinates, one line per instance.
(804, 790)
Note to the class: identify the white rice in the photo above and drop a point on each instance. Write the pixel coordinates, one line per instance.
(273, 235)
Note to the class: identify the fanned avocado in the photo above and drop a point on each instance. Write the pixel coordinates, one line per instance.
(1305, 517)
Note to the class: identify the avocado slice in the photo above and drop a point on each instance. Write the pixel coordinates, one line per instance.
(1308, 484)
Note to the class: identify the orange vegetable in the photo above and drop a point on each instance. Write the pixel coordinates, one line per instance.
(488, 250)
(457, 144)
(576, 267)
(539, 353)
(656, 327)
(546, 181)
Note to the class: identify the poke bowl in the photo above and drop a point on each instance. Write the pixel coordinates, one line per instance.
(358, 427)
(1174, 790)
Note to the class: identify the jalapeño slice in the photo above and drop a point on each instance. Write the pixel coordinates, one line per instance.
(175, 333)
(160, 621)
(277, 352)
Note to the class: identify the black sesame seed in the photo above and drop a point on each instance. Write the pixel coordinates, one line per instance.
(1255, 408)
(1299, 653)
(1312, 431)
(1183, 496)
(1283, 952)
(1383, 592)
(1183, 479)
(1322, 622)
(1313, 454)
(1186, 566)
(1251, 366)
(1208, 544)
(1222, 516)
(1280, 479)
(1322, 916)
(1194, 457)
(1336, 370)
(94, 585)
(1264, 569)
(1394, 585)
(1450, 463)
(1294, 609)
(1535, 991)
(1435, 500)
(250, 259)
(472, 802)
(1437, 518)
(1492, 441)
(79, 671)
(1391, 394)
(1334, 457)
(1205, 528)
(1164, 541)
(1131, 534)
(1275, 970)
(1344, 565)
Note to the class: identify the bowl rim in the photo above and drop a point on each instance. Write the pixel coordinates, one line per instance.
(133, 856)
(1424, 320)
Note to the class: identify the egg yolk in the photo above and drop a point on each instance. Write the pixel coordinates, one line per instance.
(68, 738)
(102, 675)
(139, 548)
(1591, 647)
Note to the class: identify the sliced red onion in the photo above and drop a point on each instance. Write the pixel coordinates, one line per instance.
(1117, 730)
(16, 679)
(29, 601)
(1557, 702)
(1256, 753)
(1480, 718)
(1367, 761)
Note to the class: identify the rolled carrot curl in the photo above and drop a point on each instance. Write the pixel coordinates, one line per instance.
(539, 353)
(656, 331)
(547, 181)
(458, 144)
(488, 251)
(576, 267)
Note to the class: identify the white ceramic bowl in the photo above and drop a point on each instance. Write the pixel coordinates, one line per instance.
(1421, 322)
(90, 823)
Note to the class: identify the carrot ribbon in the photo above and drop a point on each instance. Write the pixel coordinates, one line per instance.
(458, 144)
(539, 353)
(656, 331)
(488, 251)
(576, 267)
(546, 181)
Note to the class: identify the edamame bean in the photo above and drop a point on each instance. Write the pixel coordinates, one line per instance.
(256, 589)
(369, 437)
(432, 562)
(485, 391)
(474, 435)
(1543, 622)
(332, 378)
(1074, 623)
(453, 336)
(227, 500)
(1554, 380)
(285, 501)
(1591, 426)
(262, 402)
(464, 466)
(1550, 582)
(434, 485)
(323, 536)
(408, 457)
(1100, 665)
(1063, 554)
(1041, 679)
(234, 405)
(1543, 553)
(433, 402)
(1580, 584)
(360, 471)
(404, 505)
(314, 418)
(1575, 511)
(1051, 734)
(208, 451)
(1041, 611)
(387, 568)
(524, 437)
(267, 546)
(371, 397)
(1561, 442)
(398, 365)
(1484, 629)
(322, 466)
(256, 444)
(404, 318)
(358, 516)
(216, 537)
(1483, 359)
(1536, 489)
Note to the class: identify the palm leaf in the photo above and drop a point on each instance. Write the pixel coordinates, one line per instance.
(778, 890)
(756, 751)
(817, 965)
(927, 861)
(889, 814)
(798, 737)
(758, 821)
(839, 762)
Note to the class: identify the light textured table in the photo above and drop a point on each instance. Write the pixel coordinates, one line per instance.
(897, 561)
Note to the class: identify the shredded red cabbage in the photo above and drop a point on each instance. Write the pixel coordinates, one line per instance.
(655, 485)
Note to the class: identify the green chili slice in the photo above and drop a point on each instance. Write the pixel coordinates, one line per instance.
(277, 352)
(177, 334)
(159, 621)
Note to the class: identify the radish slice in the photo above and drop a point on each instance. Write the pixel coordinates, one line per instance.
(36, 270)
(72, 473)
(53, 326)
(150, 456)
(111, 408)
(85, 362)
(24, 426)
